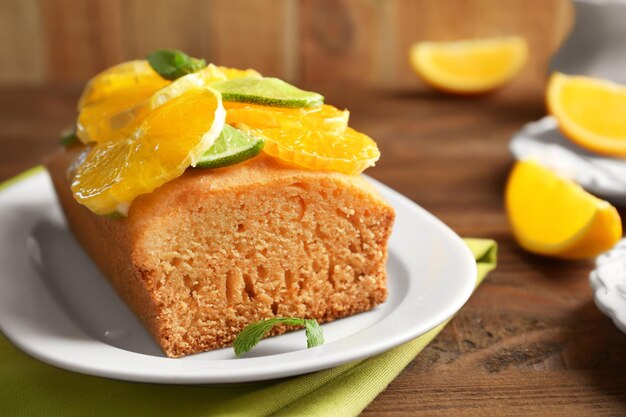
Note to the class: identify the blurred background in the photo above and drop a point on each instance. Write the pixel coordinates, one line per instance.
(363, 42)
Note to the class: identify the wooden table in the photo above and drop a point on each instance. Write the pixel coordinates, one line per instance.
(530, 340)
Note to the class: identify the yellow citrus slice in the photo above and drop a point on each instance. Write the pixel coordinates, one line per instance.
(144, 156)
(590, 112)
(350, 152)
(100, 120)
(263, 117)
(554, 216)
(225, 73)
(133, 77)
(469, 66)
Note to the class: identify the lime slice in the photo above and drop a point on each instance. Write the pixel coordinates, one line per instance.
(231, 147)
(268, 92)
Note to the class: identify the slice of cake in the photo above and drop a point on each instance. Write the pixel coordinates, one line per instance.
(212, 198)
(206, 254)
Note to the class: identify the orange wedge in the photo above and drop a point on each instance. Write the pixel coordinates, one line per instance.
(551, 215)
(146, 155)
(469, 66)
(590, 111)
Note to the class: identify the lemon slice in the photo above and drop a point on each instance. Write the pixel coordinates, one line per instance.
(553, 216)
(469, 66)
(140, 158)
(590, 112)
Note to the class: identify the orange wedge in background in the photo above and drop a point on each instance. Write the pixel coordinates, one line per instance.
(553, 216)
(590, 111)
(469, 66)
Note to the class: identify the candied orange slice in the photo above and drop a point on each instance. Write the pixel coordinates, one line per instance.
(469, 66)
(554, 216)
(590, 112)
(144, 156)
(350, 152)
(263, 117)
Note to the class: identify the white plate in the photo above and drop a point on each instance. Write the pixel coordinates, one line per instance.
(55, 305)
(608, 281)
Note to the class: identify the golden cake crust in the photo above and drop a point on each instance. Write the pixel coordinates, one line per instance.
(206, 254)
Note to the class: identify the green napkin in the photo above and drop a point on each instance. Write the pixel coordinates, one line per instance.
(32, 388)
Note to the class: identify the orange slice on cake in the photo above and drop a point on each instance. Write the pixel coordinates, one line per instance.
(146, 155)
(127, 92)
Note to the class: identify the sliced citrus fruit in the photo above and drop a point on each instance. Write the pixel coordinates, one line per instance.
(100, 120)
(226, 73)
(267, 92)
(590, 112)
(140, 158)
(231, 147)
(350, 152)
(469, 66)
(137, 76)
(554, 216)
(264, 117)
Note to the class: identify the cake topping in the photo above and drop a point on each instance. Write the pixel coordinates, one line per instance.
(268, 92)
(148, 121)
(142, 157)
(231, 147)
(172, 64)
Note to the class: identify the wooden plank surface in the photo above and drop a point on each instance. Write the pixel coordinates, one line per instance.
(542, 23)
(362, 42)
(529, 342)
(22, 51)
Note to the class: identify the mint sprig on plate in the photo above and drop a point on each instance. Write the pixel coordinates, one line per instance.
(172, 63)
(254, 332)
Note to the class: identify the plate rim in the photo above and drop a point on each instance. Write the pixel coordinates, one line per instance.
(194, 374)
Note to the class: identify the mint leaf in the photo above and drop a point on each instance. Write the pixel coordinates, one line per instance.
(172, 63)
(314, 333)
(68, 137)
(254, 332)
